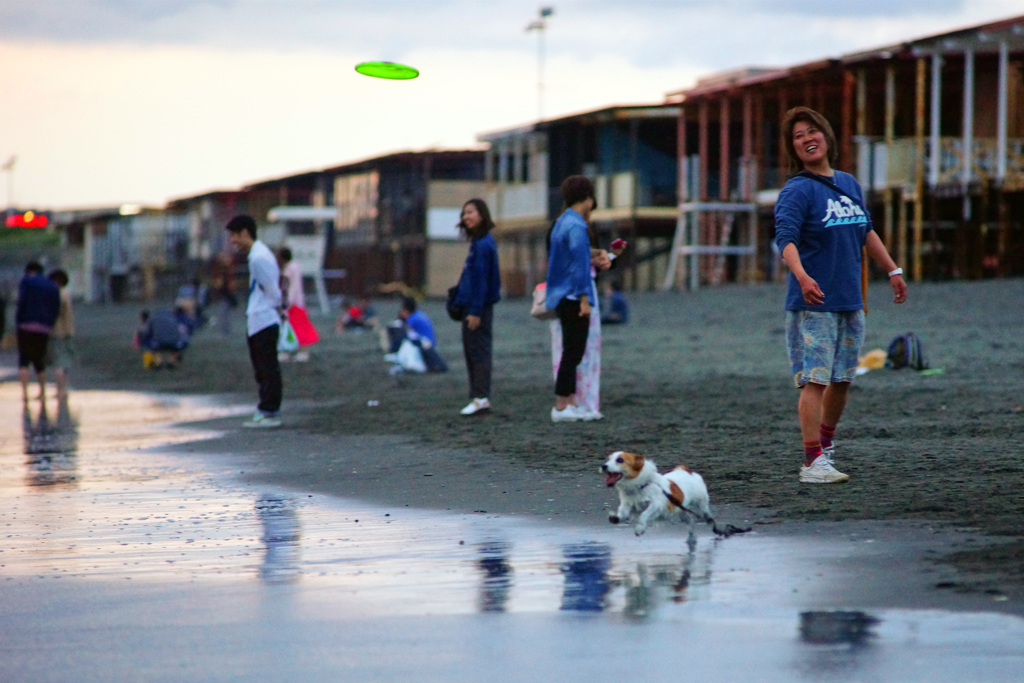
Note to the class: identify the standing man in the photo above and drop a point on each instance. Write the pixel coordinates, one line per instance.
(38, 306)
(263, 315)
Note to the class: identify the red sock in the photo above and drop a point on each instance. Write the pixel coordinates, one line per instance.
(827, 435)
(812, 449)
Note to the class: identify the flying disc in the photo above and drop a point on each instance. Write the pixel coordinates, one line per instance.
(389, 70)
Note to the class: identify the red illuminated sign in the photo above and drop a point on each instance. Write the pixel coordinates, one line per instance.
(29, 219)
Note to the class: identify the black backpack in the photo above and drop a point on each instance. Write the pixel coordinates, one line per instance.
(906, 351)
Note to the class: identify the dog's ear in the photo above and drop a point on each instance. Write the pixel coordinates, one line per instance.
(634, 463)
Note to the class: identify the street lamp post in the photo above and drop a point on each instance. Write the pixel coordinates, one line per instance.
(8, 167)
(539, 25)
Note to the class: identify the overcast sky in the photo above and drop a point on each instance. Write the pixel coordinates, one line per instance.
(142, 101)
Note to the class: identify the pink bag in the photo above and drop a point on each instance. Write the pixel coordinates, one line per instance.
(304, 330)
(539, 309)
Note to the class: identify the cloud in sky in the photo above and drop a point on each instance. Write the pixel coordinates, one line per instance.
(146, 100)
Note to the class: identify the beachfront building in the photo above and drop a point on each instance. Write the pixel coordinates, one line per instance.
(396, 217)
(630, 154)
(933, 128)
(115, 254)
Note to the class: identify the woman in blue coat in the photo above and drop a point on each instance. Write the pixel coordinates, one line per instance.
(479, 289)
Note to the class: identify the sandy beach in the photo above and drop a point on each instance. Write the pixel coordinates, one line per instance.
(696, 378)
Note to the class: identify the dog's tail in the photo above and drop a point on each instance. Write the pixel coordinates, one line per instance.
(725, 532)
(729, 529)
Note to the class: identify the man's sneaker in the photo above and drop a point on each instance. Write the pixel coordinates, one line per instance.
(570, 414)
(829, 453)
(475, 406)
(821, 471)
(261, 421)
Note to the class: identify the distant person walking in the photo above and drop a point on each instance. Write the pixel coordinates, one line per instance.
(36, 312)
(822, 228)
(61, 349)
(570, 292)
(263, 314)
(224, 290)
(295, 305)
(479, 289)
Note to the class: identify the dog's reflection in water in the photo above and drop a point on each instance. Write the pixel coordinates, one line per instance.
(654, 584)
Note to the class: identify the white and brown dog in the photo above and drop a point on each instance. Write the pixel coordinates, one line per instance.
(649, 496)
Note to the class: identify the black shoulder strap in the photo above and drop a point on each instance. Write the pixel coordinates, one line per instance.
(827, 183)
(832, 186)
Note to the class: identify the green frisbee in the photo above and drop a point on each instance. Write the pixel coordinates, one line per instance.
(389, 70)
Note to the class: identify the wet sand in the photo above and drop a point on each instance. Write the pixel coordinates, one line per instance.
(696, 378)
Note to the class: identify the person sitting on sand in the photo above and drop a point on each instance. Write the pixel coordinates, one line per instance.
(412, 342)
(359, 317)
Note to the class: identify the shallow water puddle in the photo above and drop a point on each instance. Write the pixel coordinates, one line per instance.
(84, 502)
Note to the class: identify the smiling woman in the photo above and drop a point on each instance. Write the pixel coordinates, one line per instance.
(822, 230)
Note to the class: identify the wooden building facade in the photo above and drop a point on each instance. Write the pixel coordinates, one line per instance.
(932, 128)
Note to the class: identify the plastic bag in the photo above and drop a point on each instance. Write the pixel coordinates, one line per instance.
(287, 342)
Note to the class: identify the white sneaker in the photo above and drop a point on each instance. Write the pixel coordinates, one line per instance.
(829, 453)
(261, 421)
(302, 357)
(821, 471)
(590, 414)
(571, 413)
(475, 406)
(283, 357)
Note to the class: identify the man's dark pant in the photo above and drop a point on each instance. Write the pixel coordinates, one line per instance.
(263, 354)
(477, 345)
(575, 329)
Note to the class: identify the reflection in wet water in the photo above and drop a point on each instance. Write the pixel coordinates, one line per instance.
(166, 520)
(50, 445)
(587, 583)
(281, 539)
(841, 640)
(836, 628)
(497, 576)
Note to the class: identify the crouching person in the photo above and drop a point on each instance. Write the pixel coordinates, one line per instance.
(163, 338)
(412, 342)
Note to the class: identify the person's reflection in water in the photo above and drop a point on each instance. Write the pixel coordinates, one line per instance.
(586, 568)
(50, 446)
(845, 635)
(497, 576)
(837, 628)
(281, 536)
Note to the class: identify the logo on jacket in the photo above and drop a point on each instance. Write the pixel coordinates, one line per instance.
(843, 212)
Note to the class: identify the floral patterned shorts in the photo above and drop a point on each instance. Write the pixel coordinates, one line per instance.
(823, 347)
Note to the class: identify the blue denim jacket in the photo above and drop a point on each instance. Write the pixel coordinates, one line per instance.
(568, 260)
(480, 282)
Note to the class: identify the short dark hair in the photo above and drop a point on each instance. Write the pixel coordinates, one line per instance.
(33, 268)
(808, 115)
(286, 254)
(409, 304)
(60, 276)
(486, 222)
(242, 222)
(577, 188)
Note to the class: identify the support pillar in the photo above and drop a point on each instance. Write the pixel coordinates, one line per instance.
(968, 132)
(919, 106)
